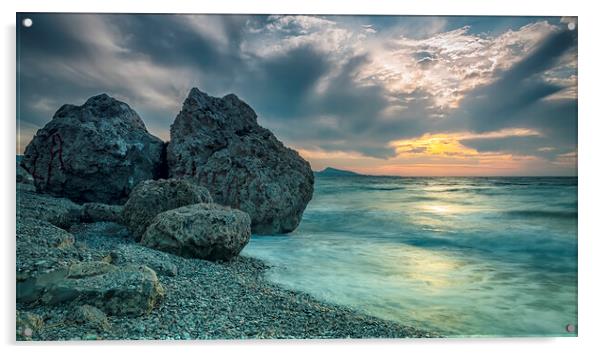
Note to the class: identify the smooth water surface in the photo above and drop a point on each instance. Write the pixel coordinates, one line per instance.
(461, 256)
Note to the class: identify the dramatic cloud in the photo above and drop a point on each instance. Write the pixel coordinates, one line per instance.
(381, 94)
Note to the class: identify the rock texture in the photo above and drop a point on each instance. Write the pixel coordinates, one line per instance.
(206, 231)
(127, 290)
(98, 212)
(27, 324)
(96, 152)
(23, 176)
(156, 260)
(60, 212)
(90, 316)
(44, 254)
(219, 143)
(51, 269)
(150, 198)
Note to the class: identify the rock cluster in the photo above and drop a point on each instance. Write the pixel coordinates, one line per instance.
(96, 152)
(52, 269)
(96, 164)
(219, 143)
(150, 198)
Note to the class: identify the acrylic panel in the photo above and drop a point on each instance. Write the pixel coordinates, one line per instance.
(287, 176)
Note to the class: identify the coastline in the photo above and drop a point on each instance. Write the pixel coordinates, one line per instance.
(206, 300)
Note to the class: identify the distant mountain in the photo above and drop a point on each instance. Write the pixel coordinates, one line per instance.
(333, 172)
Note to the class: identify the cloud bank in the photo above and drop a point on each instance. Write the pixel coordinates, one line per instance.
(376, 94)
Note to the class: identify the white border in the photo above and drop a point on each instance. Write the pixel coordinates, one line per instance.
(589, 170)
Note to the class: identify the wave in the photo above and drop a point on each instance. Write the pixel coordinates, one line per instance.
(383, 188)
(542, 214)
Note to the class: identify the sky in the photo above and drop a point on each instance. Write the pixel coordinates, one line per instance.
(385, 95)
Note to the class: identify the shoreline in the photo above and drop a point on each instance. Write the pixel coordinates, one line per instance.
(211, 301)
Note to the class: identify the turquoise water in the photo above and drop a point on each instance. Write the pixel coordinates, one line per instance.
(462, 256)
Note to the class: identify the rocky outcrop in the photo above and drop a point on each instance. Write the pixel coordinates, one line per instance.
(218, 142)
(98, 212)
(96, 152)
(60, 212)
(206, 231)
(50, 270)
(150, 198)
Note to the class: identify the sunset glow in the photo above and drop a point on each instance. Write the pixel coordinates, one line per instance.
(372, 94)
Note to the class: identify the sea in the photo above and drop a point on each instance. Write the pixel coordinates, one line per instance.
(493, 256)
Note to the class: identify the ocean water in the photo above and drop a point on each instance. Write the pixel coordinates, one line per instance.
(460, 256)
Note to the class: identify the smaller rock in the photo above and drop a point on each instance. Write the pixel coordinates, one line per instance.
(89, 269)
(27, 324)
(206, 231)
(98, 212)
(60, 212)
(22, 187)
(151, 197)
(91, 316)
(128, 290)
(156, 260)
(23, 176)
(44, 254)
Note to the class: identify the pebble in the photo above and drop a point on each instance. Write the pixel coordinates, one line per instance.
(224, 300)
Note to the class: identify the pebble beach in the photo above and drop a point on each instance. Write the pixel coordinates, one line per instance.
(209, 300)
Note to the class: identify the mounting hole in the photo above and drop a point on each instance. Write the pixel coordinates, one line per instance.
(27, 22)
(571, 26)
(570, 328)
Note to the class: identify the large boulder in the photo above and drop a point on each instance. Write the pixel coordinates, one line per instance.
(150, 198)
(206, 231)
(96, 152)
(219, 143)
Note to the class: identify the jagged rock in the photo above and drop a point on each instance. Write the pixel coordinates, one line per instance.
(98, 212)
(60, 212)
(150, 198)
(91, 316)
(219, 143)
(96, 152)
(27, 324)
(206, 231)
